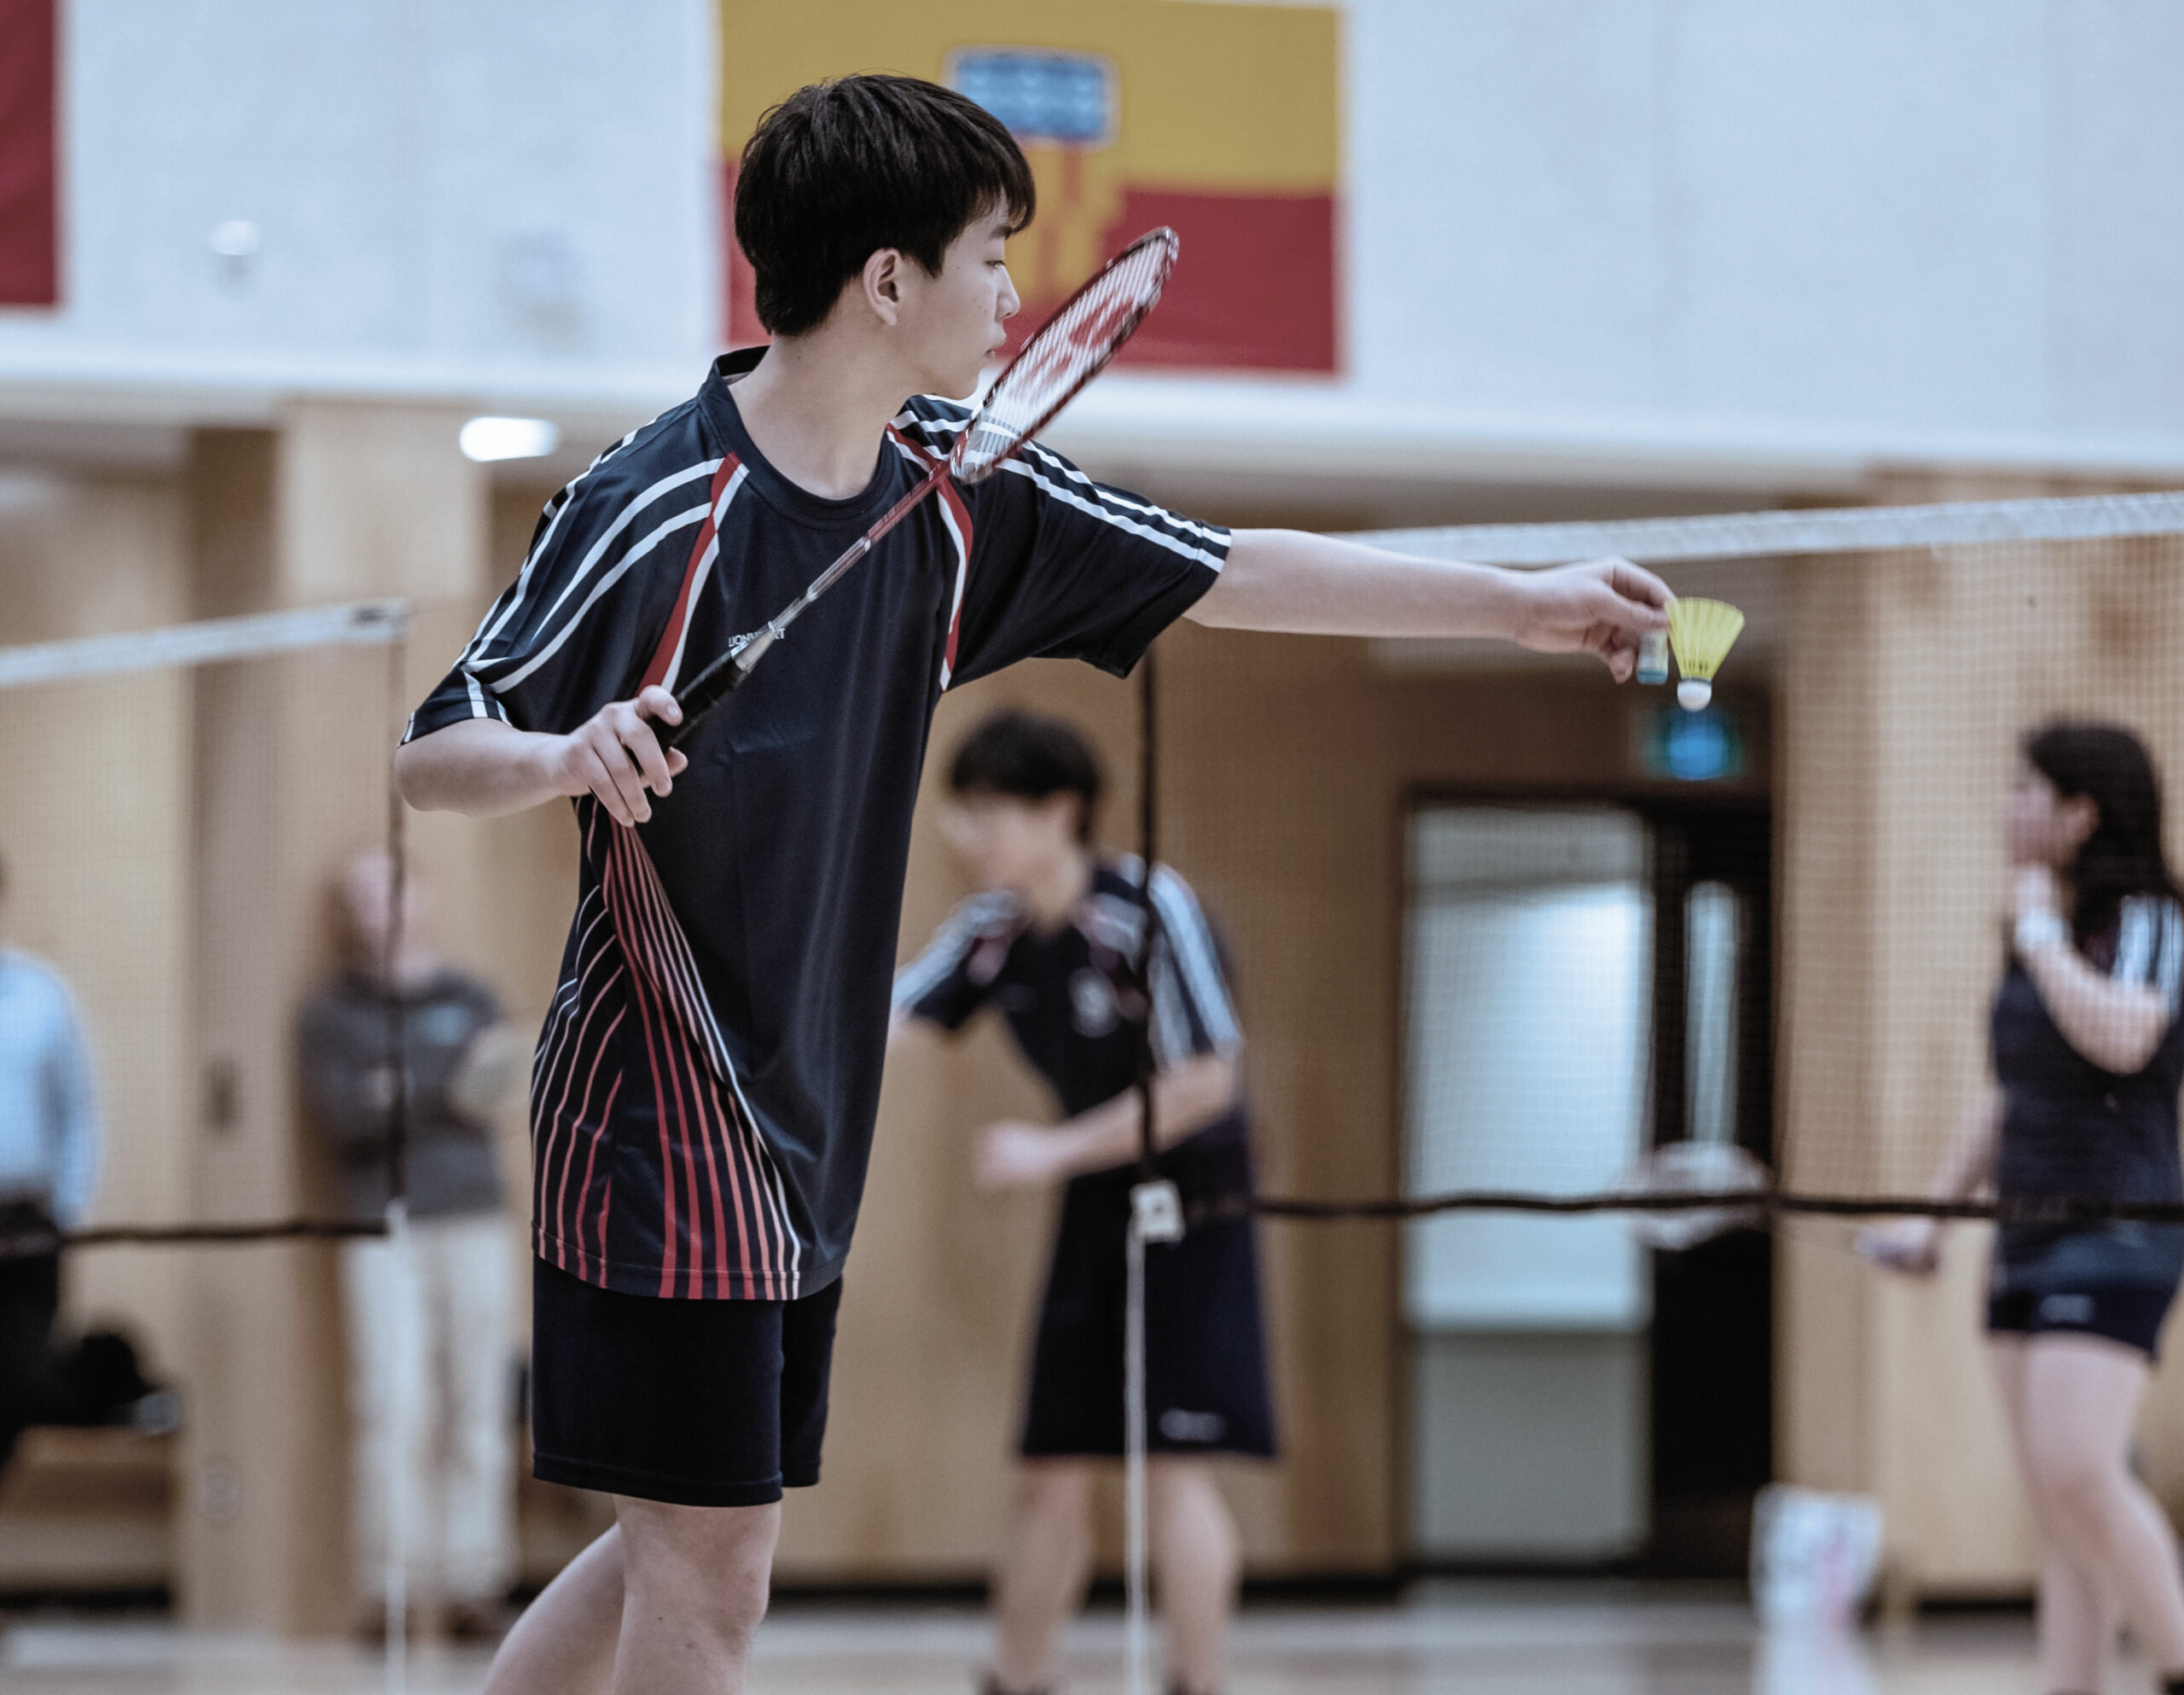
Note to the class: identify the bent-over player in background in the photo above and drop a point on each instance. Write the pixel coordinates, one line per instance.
(1052, 942)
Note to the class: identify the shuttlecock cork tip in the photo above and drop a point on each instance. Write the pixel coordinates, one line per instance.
(1701, 632)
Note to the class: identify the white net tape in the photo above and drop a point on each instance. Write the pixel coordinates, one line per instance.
(1836, 530)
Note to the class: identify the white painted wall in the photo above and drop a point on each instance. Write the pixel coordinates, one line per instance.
(489, 191)
(1779, 242)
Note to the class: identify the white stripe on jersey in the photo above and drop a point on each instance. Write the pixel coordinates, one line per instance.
(1171, 1028)
(1183, 922)
(627, 516)
(2169, 966)
(2134, 941)
(1175, 544)
(1053, 473)
(2150, 948)
(979, 916)
(1059, 467)
(575, 620)
(498, 621)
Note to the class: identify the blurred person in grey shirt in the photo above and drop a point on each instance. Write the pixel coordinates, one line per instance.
(49, 1166)
(431, 1334)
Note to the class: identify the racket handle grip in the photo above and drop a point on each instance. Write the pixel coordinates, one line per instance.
(713, 685)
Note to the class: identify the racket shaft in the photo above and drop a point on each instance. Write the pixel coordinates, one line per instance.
(728, 673)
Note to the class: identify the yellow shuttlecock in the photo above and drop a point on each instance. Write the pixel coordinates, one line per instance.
(1701, 632)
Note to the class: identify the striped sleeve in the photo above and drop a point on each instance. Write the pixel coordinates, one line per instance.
(948, 982)
(1192, 1012)
(2150, 948)
(572, 632)
(1064, 568)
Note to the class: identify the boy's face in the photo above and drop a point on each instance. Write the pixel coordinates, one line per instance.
(1009, 842)
(956, 321)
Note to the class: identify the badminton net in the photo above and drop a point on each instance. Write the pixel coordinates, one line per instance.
(1588, 953)
(181, 800)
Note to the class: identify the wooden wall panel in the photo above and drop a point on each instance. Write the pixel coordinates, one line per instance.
(1287, 765)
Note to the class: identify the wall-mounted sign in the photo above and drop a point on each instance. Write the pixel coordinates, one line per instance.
(1219, 120)
(29, 243)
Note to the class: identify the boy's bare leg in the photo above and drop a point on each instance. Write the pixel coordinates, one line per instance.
(564, 1642)
(1046, 1556)
(664, 1603)
(1197, 1562)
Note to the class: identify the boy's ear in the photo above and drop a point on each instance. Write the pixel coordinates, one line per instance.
(881, 280)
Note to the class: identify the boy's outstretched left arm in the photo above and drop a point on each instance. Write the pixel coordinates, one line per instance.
(1292, 580)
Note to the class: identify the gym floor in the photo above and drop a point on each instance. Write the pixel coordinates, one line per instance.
(1476, 1638)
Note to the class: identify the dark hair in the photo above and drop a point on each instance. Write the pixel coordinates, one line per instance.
(841, 170)
(1029, 757)
(2108, 765)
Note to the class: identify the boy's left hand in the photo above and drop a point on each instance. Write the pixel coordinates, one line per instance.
(1014, 1155)
(1601, 607)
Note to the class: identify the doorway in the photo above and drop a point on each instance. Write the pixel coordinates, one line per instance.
(1583, 981)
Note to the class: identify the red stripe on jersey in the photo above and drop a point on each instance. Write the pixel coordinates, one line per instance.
(671, 639)
(698, 1122)
(952, 499)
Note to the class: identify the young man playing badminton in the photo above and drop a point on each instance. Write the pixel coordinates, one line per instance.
(704, 1088)
(1052, 942)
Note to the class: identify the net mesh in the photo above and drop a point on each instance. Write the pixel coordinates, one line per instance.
(182, 798)
(1520, 931)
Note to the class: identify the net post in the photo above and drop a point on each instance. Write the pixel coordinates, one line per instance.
(397, 1597)
(1148, 834)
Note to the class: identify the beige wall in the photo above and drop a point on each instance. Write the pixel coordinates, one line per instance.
(1287, 762)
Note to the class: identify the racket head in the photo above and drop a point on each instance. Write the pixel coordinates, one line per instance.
(1067, 352)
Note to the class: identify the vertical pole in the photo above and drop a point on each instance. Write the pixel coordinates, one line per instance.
(401, 1407)
(1136, 1623)
(1148, 830)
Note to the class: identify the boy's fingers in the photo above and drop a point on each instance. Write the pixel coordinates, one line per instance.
(628, 781)
(656, 702)
(637, 735)
(600, 779)
(1635, 583)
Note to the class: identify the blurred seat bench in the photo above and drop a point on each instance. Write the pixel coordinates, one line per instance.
(88, 1511)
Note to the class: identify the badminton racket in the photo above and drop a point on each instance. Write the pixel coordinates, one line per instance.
(1064, 353)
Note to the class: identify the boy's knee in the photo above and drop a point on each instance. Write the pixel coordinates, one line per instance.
(713, 1565)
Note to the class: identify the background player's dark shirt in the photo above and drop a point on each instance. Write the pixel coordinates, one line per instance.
(706, 1084)
(1068, 994)
(346, 1034)
(2071, 1129)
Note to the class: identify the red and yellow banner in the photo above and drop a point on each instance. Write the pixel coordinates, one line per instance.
(1221, 121)
(29, 267)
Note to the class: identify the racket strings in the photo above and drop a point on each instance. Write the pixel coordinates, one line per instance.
(1064, 353)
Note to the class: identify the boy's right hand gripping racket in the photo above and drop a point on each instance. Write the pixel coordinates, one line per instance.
(1064, 353)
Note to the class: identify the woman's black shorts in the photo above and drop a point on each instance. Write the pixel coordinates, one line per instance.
(1206, 1352)
(702, 1403)
(2131, 1316)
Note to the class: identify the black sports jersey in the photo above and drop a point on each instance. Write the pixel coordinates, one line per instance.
(705, 1083)
(1068, 994)
(2070, 1128)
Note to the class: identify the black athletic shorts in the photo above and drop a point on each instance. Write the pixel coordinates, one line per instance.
(1205, 1349)
(702, 1403)
(2132, 1316)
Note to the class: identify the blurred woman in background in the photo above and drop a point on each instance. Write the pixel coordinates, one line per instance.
(2088, 1052)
